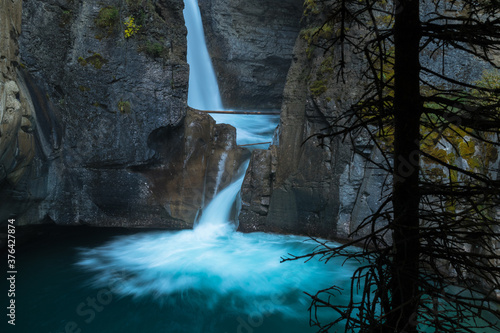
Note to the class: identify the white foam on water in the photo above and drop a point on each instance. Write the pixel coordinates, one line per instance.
(213, 266)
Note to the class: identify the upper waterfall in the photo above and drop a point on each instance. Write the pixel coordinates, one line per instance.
(203, 93)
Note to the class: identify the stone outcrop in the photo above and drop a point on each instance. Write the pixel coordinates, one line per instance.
(109, 96)
(309, 184)
(251, 45)
(108, 138)
(193, 163)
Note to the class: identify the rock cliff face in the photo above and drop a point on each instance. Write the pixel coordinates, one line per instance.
(309, 183)
(95, 128)
(194, 161)
(17, 120)
(322, 187)
(109, 87)
(251, 45)
(304, 184)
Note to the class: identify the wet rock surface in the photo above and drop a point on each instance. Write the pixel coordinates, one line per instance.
(95, 127)
(303, 192)
(193, 162)
(20, 141)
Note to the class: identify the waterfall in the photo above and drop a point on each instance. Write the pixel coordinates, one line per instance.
(203, 93)
(212, 278)
(216, 215)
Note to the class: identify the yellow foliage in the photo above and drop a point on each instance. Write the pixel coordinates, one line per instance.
(124, 106)
(130, 27)
(477, 154)
(441, 155)
(474, 163)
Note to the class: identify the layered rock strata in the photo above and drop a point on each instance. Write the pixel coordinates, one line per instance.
(18, 133)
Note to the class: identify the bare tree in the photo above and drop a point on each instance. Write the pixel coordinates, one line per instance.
(434, 261)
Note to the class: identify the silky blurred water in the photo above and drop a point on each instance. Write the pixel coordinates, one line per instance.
(203, 93)
(210, 279)
(213, 267)
(250, 128)
(219, 279)
(215, 274)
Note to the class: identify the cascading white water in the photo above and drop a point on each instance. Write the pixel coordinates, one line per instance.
(203, 91)
(216, 216)
(214, 270)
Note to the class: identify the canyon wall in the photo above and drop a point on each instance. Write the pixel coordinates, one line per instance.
(96, 130)
(18, 138)
(251, 44)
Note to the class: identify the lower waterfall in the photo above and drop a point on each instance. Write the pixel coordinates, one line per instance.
(215, 275)
(219, 279)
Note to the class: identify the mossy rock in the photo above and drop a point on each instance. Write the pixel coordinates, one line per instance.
(107, 17)
(153, 49)
(318, 87)
(65, 18)
(95, 60)
(124, 107)
(82, 61)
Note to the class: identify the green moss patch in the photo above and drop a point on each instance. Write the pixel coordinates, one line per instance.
(107, 17)
(95, 60)
(153, 49)
(124, 106)
(318, 87)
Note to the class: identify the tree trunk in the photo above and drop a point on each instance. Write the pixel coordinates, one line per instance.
(406, 198)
